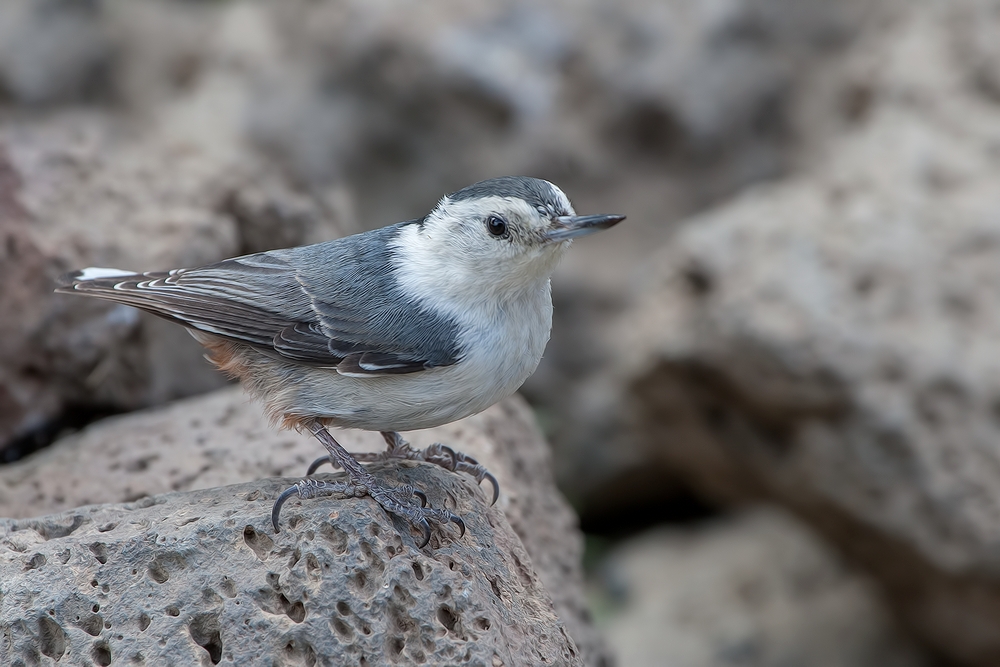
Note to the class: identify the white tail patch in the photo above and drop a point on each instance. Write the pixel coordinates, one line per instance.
(94, 272)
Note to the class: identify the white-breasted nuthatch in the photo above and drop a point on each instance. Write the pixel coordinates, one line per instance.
(406, 327)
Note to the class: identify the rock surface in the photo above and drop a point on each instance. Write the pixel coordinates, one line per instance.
(79, 191)
(833, 341)
(199, 578)
(755, 588)
(222, 438)
(157, 117)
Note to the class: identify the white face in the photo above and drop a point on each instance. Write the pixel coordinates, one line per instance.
(488, 245)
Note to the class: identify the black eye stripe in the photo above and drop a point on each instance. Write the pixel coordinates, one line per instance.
(496, 225)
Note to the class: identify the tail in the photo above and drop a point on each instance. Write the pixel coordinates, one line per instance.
(113, 285)
(92, 279)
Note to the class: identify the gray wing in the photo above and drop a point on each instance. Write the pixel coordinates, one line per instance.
(331, 304)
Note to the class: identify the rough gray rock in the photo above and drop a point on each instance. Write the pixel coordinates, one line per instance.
(832, 341)
(199, 578)
(355, 99)
(79, 191)
(222, 438)
(755, 588)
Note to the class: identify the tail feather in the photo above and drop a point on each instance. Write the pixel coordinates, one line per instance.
(97, 276)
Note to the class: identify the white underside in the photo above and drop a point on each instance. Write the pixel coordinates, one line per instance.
(500, 357)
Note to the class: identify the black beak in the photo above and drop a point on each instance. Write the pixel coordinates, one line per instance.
(567, 227)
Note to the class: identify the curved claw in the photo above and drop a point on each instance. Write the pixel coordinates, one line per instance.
(317, 463)
(422, 496)
(496, 486)
(426, 528)
(452, 454)
(433, 454)
(276, 509)
(457, 520)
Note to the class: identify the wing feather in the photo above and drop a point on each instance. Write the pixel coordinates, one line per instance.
(296, 304)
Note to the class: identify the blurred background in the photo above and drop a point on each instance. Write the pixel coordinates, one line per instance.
(773, 394)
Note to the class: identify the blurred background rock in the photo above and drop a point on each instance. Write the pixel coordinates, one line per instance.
(801, 311)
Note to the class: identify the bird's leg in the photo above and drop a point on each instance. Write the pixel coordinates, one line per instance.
(392, 499)
(438, 454)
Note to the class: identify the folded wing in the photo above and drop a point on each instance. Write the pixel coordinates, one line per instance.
(333, 304)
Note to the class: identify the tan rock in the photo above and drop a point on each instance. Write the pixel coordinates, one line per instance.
(198, 577)
(832, 341)
(755, 588)
(222, 438)
(79, 192)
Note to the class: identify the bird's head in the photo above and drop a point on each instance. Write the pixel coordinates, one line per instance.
(496, 236)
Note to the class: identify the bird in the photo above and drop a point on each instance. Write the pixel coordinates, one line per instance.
(405, 327)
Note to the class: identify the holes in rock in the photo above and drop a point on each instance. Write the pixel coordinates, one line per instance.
(495, 586)
(312, 566)
(143, 621)
(51, 638)
(395, 645)
(173, 611)
(418, 571)
(35, 562)
(210, 598)
(375, 563)
(206, 630)
(299, 651)
(101, 654)
(228, 587)
(273, 602)
(447, 617)
(366, 630)
(160, 568)
(158, 573)
(342, 629)
(483, 623)
(361, 584)
(343, 608)
(259, 543)
(295, 611)
(96, 608)
(92, 624)
(54, 529)
(335, 536)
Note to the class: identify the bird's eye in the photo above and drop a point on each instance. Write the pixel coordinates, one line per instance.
(496, 225)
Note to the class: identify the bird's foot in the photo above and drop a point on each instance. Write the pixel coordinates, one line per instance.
(397, 500)
(438, 454)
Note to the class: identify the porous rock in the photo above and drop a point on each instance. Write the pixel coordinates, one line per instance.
(222, 438)
(162, 184)
(200, 578)
(832, 342)
(756, 588)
